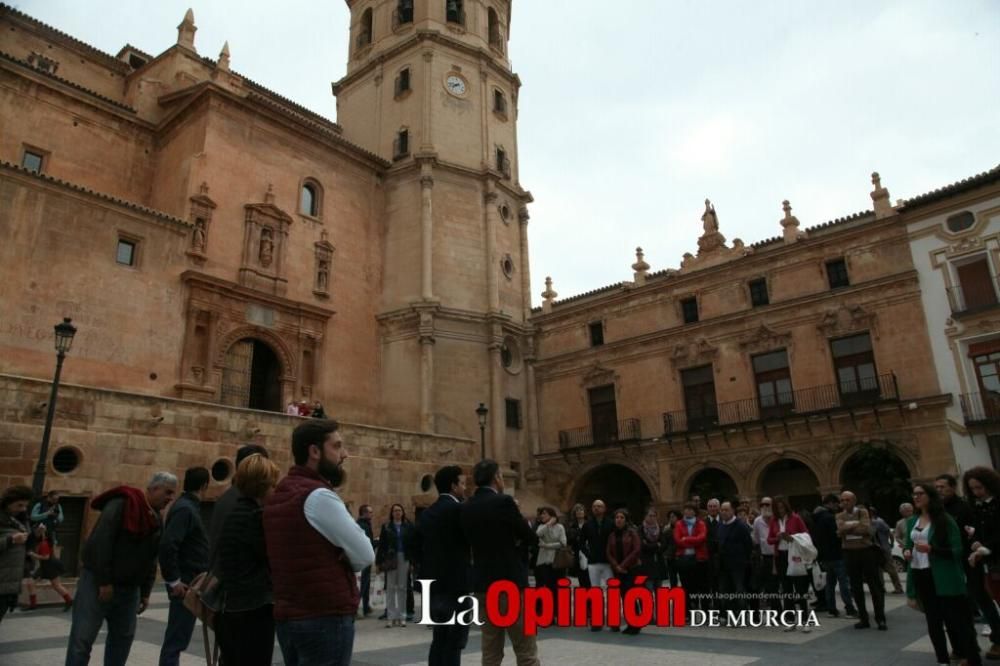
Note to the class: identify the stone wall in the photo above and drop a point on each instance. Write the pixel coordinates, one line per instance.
(123, 438)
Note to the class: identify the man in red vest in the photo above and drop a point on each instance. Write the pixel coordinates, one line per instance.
(314, 547)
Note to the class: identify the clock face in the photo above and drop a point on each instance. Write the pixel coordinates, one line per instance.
(455, 85)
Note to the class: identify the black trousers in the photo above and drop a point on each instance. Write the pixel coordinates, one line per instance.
(694, 580)
(951, 613)
(447, 642)
(977, 590)
(766, 582)
(246, 638)
(862, 569)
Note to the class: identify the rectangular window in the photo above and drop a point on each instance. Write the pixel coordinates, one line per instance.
(758, 292)
(774, 384)
(499, 102)
(689, 308)
(513, 413)
(699, 397)
(402, 145)
(836, 273)
(403, 82)
(854, 363)
(596, 334)
(32, 161)
(977, 285)
(126, 252)
(503, 164)
(603, 414)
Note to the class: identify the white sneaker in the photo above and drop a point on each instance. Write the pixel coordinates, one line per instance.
(388, 625)
(788, 629)
(402, 623)
(807, 630)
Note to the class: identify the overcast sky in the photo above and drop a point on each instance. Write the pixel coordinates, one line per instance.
(634, 111)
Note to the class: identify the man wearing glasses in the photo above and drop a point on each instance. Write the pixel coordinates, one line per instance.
(854, 526)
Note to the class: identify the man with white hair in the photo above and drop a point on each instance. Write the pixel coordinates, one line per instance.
(119, 567)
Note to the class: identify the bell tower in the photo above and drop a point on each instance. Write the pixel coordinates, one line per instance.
(429, 88)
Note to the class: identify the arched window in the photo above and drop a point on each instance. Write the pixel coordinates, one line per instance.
(454, 11)
(310, 198)
(496, 41)
(365, 31)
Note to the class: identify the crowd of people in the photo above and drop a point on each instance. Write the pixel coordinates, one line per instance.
(303, 407)
(279, 559)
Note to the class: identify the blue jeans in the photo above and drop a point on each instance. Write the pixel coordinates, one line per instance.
(89, 613)
(317, 641)
(836, 573)
(180, 626)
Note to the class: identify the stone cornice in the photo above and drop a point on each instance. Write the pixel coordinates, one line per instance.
(65, 40)
(286, 305)
(70, 89)
(149, 214)
(661, 338)
(404, 167)
(418, 39)
(680, 282)
(190, 97)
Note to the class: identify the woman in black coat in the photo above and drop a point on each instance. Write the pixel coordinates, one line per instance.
(393, 559)
(245, 627)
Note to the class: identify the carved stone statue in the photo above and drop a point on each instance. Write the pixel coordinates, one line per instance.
(709, 219)
(323, 275)
(266, 254)
(198, 236)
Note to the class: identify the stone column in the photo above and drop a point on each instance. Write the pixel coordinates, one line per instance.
(427, 384)
(498, 429)
(531, 411)
(427, 231)
(426, 140)
(523, 217)
(492, 220)
(484, 121)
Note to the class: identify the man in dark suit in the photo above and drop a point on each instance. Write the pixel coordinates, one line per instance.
(735, 545)
(442, 553)
(494, 528)
(712, 522)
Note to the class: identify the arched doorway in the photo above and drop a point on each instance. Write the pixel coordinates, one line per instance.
(878, 477)
(251, 376)
(712, 482)
(618, 486)
(794, 480)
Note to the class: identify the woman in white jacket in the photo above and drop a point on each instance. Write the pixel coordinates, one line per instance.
(551, 537)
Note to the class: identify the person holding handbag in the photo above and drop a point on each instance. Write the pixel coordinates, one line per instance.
(982, 488)
(936, 580)
(393, 559)
(244, 628)
(784, 524)
(551, 539)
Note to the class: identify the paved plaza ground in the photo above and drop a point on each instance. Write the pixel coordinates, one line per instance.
(38, 638)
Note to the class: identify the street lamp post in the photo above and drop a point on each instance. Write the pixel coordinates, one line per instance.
(481, 412)
(64, 340)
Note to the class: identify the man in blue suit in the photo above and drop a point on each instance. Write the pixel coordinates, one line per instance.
(442, 553)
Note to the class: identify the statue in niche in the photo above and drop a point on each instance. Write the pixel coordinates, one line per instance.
(710, 219)
(323, 275)
(198, 236)
(266, 254)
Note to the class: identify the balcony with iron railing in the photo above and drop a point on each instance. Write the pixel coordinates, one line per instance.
(627, 430)
(981, 408)
(972, 298)
(826, 399)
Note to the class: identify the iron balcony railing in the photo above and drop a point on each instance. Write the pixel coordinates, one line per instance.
(981, 408)
(974, 297)
(611, 433)
(819, 399)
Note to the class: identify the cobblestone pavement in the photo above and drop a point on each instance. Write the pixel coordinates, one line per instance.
(38, 638)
